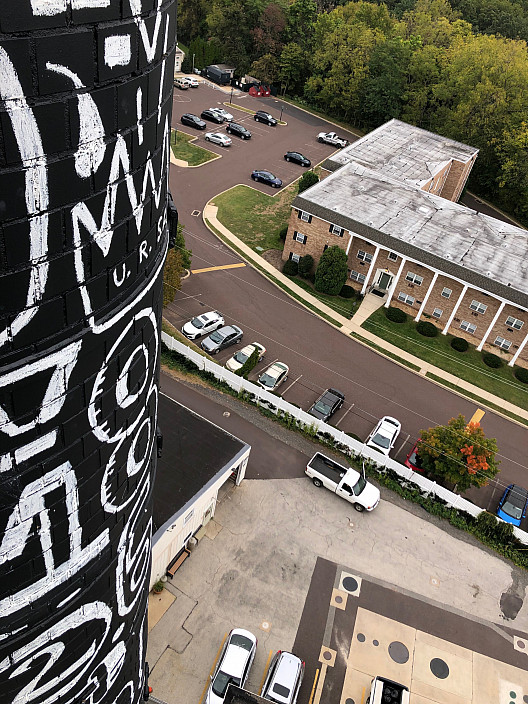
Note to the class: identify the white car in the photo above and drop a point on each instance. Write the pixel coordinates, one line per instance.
(223, 113)
(233, 665)
(273, 376)
(238, 360)
(384, 435)
(218, 138)
(284, 678)
(203, 324)
(191, 82)
(332, 138)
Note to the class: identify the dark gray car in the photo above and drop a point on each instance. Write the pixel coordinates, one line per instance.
(327, 404)
(222, 338)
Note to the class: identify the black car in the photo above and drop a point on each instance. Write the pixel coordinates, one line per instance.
(263, 116)
(297, 158)
(239, 130)
(266, 177)
(327, 404)
(193, 121)
(212, 116)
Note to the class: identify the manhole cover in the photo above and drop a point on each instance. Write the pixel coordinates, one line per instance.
(195, 213)
(226, 414)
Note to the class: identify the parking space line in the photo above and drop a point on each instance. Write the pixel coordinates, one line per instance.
(212, 668)
(403, 445)
(345, 413)
(265, 671)
(313, 686)
(289, 387)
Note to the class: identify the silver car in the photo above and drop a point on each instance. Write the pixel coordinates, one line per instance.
(218, 138)
(223, 113)
(284, 678)
(222, 338)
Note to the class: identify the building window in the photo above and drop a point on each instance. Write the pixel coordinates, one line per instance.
(336, 230)
(468, 327)
(478, 307)
(304, 216)
(298, 237)
(364, 256)
(446, 292)
(405, 298)
(437, 313)
(356, 276)
(414, 278)
(188, 517)
(393, 256)
(514, 323)
(294, 257)
(502, 343)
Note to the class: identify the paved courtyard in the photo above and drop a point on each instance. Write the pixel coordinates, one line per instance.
(353, 595)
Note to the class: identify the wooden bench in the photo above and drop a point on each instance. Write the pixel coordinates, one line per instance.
(177, 562)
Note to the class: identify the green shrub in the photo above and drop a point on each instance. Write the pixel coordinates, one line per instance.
(504, 532)
(395, 315)
(426, 329)
(290, 268)
(331, 272)
(306, 265)
(521, 374)
(347, 292)
(283, 232)
(249, 364)
(491, 360)
(460, 344)
(486, 524)
(309, 178)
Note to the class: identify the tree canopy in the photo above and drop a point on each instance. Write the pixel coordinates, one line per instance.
(331, 272)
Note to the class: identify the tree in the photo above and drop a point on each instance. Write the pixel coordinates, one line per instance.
(268, 35)
(266, 69)
(293, 67)
(331, 272)
(309, 178)
(192, 19)
(178, 259)
(301, 20)
(459, 452)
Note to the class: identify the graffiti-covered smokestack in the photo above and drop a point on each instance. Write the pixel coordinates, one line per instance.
(85, 109)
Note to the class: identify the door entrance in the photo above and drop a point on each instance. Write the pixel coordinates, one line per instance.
(384, 281)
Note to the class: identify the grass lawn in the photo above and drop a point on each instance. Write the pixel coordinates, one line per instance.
(344, 306)
(255, 217)
(438, 351)
(186, 151)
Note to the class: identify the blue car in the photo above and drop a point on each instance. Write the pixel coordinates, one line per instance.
(266, 177)
(512, 506)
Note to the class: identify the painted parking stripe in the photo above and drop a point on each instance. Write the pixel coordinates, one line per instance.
(345, 413)
(218, 268)
(212, 668)
(402, 445)
(289, 387)
(313, 686)
(477, 416)
(265, 671)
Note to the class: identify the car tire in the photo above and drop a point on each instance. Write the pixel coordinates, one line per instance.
(287, 158)
(256, 119)
(207, 139)
(359, 508)
(320, 139)
(317, 482)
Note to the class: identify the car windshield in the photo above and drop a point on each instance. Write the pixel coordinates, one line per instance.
(267, 380)
(221, 681)
(216, 337)
(322, 407)
(381, 441)
(511, 509)
(242, 642)
(359, 486)
(197, 323)
(240, 357)
(415, 460)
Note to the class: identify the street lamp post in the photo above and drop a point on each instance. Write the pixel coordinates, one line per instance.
(193, 62)
(231, 96)
(282, 108)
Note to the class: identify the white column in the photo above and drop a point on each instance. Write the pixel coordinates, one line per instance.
(394, 282)
(448, 324)
(376, 252)
(349, 242)
(481, 344)
(521, 347)
(426, 298)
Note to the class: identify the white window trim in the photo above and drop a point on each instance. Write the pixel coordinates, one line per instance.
(413, 278)
(392, 256)
(295, 257)
(299, 237)
(478, 307)
(304, 216)
(336, 230)
(503, 344)
(468, 327)
(514, 322)
(440, 313)
(188, 516)
(404, 298)
(361, 278)
(446, 295)
(364, 256)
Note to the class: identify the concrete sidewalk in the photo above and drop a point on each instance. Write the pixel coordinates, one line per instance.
(353, 326)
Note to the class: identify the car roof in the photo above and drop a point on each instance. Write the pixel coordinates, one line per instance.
(517, 495)
(276, 369)
(288, 665)
(234, 660)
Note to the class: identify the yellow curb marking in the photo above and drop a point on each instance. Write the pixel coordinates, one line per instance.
(217, 268)
(477, 416)
(320, 683)
(265, 671)
(212, 669)
(363, 695)
(313, 687)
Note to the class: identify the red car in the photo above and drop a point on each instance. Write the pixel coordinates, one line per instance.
(413, 461)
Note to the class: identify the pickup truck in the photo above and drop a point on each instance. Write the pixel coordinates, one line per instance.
(343, 481)
(384, 691)
(331, 138)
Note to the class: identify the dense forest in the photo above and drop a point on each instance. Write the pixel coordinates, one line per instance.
(458, 69)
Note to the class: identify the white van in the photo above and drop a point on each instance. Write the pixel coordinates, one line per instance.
(181, 83)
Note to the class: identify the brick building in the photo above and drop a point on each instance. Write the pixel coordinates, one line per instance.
(389, 200)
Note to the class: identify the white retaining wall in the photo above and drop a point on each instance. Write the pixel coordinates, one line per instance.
(354, 446)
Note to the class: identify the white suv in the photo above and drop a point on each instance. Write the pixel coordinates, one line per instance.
(203, 324)
(284, 678)
(233, 665)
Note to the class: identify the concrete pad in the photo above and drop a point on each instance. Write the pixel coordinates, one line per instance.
(212, 529)
(339, 599)
(169, 632)
(356, 686)
(434, 642)
(494, 681)
(456, 688)
(157, 605)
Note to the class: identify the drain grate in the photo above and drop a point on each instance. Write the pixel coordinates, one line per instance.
(195, 213)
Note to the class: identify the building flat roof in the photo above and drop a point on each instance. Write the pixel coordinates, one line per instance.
(403, 152)
(471, 246)
(194, 452)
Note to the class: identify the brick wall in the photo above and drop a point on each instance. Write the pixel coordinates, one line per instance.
(317, 236)
(456, 179)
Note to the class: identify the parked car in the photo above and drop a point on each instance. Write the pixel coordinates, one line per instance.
(266, 177)
(193, 121)
(191, 82)
(181, 83)
(218, 138)
(413, 460)
(233, 664)
(238, 130)
(203, 324)
(332, 138)
(263, 116)
(284, 678)
(297, 158)
(222, 338)
(238, 360)
(327, 404)
(512, 506)
(212, 116)
(223, 113)
(384, 435)
(273, 376)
